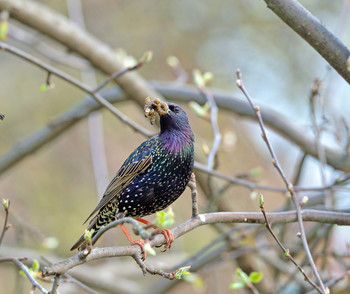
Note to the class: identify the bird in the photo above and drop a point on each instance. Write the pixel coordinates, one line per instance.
(154, 175)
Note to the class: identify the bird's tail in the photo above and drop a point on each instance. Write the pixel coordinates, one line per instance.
(81, 243)
(103, 218)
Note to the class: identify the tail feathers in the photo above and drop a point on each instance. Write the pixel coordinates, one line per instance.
(81, 243)
(100, 220)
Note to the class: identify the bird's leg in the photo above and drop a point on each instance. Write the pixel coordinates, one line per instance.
(169, 237)
(139, 242)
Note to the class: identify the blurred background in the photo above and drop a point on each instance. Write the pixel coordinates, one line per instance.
(53, 190)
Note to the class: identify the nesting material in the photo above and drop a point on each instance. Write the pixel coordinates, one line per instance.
(153, 106)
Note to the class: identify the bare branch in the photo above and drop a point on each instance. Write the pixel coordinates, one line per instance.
(285, 251)
(289, 186)
(192, 185)
(52, 70)
(312, 31)
(60, 29)
(6, 205)
(55, 284)
(203, 219)
(19, 263)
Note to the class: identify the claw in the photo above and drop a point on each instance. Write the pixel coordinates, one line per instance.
(169, 237)
(141, 243)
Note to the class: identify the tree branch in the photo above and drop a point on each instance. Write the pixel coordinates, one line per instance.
(54, 71)
(312, 31)
(225, 100)
(203, 219)
(289, 185)
(60, 29)
(20, 264)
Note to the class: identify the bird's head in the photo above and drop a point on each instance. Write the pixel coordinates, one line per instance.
(174, 119)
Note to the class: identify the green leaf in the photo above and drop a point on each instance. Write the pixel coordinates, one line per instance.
(88, 235)
(5, 203)
(45, 87)
(198, 78)
(146, 57)
(148, 249)
(243, 276)
(194, 279)
(164, 219)
(236, 286)
(166, 224)
(255, 277)
(4, 28)
(182, 271)
(198, 110)
(36, 265)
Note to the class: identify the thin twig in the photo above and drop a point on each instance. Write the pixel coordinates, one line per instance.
(214, 123)
(73, 280)
(285, 251)
(18, 262)
(224, 100)
(55, 284)
(314, 94)
(50, 69)
(144, 59)
(284, 178)
(192, 185)
(146, 269)
(5, 227)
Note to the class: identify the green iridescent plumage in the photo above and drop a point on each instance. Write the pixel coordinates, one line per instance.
(152, 177)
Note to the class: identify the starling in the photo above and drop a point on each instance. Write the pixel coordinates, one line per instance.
(152, 177)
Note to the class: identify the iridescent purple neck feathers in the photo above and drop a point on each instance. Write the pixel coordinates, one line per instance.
(176, 132)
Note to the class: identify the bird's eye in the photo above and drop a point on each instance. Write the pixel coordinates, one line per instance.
(174, 109)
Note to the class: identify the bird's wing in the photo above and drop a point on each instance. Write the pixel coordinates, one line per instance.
(137, 163)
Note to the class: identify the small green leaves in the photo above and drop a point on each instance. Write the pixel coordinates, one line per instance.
(194, 279)
(146, 57)
(165, 219)
(4, 26)
(245, 280)
(286, 253)
(201, 80)
(6, 204)
(36, 265)
(148, 249)
(182, 271)
(45, 87)
(255, 277)
(243, 276)
(88, 235)
(123, 56)
(201, 111)
(198, 78)
(236, 286)
(261, 200)
(33, 270)
(304, 200)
